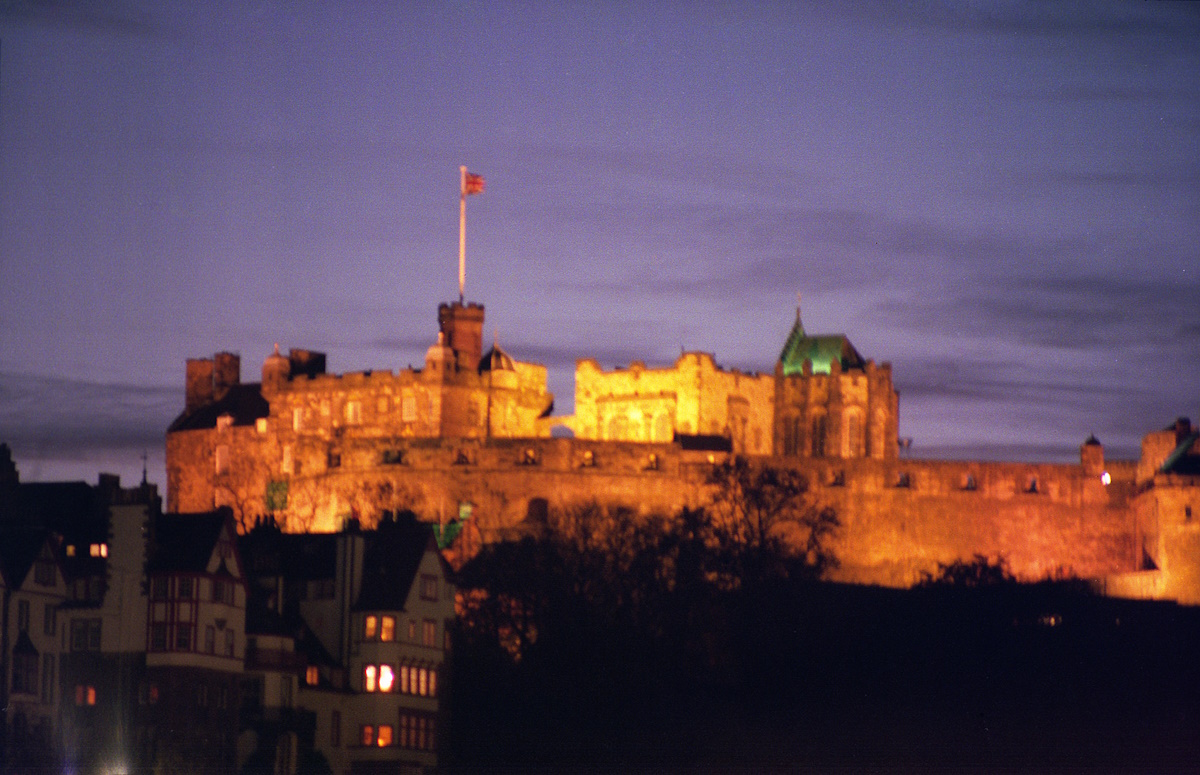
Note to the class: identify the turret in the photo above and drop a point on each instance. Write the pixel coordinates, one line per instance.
(1091, 457)
(462, 325)
(199, 383)
(227, 373)
(438, 359)
(275, 372)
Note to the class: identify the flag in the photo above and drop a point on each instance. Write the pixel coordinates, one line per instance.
(472, 184)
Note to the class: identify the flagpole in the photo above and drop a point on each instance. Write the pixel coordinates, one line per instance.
(462, 232)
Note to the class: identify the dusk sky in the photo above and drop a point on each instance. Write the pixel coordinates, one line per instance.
(1000, 199)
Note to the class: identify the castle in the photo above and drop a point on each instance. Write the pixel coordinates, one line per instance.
(470, 440)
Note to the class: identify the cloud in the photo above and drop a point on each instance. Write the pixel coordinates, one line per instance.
(50, 413)
(82, 15)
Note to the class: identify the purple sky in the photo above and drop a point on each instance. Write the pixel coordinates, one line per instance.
(1002, 200)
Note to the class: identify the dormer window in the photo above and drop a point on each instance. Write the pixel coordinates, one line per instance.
(224, 422)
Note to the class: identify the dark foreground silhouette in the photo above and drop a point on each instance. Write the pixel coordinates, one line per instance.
(634, 652)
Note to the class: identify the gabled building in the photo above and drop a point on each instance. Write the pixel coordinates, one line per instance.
(370, 655)
(33, 589)
(195, 642)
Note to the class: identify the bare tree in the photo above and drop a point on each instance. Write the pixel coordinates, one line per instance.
(766, 523)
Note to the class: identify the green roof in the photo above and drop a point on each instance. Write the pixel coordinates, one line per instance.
(821, 350)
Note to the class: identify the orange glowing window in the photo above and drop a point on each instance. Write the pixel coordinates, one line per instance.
(404, 679)
(387, 678)
(312, 675)
(370, 627)
(423, 682)
(85, 695)
(432, 683)
(98, 550)
(387, 628)
(370, 673)
(384, 737)
(367, 734)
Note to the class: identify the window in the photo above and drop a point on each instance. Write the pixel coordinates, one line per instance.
(98, 550)
(158, 636)
(43, 572)
(85, 695)
(335, 729)
(370, 627)
(366, 734)
(47, 679)
(818, 436)
(408, 408)
(229, 643)
(333, 460)
(158, 589)
(429, 587)
(224, 422)
(353, 412)
(312, 675)
(25, 672)
(210, 639)
(85, 635)
(183, 637)
(23, 616)
(260, 425)
(277, 495)
(378, 678)
(412, 629)
(387, 628)
(383, 735)
(222, 591)
(529, 457)
(49, 619)
(221, 459)
(186, 588)
(418, 680)
(416, 732)
(393, 457)
(428, 632)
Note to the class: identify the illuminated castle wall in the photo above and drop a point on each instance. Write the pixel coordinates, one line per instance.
(314, 449)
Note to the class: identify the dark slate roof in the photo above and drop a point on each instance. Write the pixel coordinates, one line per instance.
(391, 557)
(271, 552)
(243, 402)
(821, 350)
(183, 543)
(19, 548)
(496, 359)
(74, 509)
(1182, 460)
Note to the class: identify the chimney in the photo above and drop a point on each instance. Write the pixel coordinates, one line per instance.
(226, 374)
(199, 383)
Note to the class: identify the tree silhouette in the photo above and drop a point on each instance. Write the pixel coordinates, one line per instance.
(765, 523)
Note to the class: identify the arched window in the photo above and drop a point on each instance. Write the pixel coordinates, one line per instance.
(818, 436)
(852, 442)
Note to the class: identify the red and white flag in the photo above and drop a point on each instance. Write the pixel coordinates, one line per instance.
(472, 184)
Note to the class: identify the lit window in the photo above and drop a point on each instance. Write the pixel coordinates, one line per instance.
(423, 682)
(387, 628)
(367, 734)
(383, 737)
(353, 412)
(405, 686)
(432, 683)
(98, 550)
(297, 418)
(370, 627)
(71, 551)
(369, 675)
(312, 675)
(387, 678)
(85, 695)
(429, 632)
